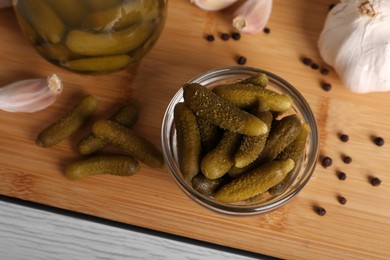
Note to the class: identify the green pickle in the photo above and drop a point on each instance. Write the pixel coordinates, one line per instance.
(254, 182)
(280, 137)
(127, 116)
(68, 124)
(43, 20)
(71, 12)
(102, 63)
(260, 79)
(129, 141)
(205, 103)
(294, 151)
(120, 165)
(250, 96)
(188, 141)
(251, 146)
(96, 44)
(207, 186)
(210, 134)
(218, 161)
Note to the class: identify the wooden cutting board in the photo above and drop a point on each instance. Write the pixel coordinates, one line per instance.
(151, 199)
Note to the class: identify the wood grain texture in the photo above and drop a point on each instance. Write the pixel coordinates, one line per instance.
(151, 199)
(28, 233)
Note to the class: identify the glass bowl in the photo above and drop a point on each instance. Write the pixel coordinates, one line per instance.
(92, 36)
(269, 202)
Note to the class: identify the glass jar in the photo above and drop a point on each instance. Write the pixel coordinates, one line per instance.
(267, 202)
(92, 36)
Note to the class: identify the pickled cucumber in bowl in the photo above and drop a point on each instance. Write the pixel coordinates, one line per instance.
(92, 36)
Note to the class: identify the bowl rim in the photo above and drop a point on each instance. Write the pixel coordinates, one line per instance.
(230, 209)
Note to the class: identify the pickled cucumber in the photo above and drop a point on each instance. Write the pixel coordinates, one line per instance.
(249, 96)
(129, 141)
(260, 79)
(205, 103)
(206, 186)
(254, 182)
(294, 151)
(219, 160)
(281, 136)
(251, 146)
(120, 165)
(121, 16)
(127, 116)
(99, 64)
(44, 20)
(68, 124)
(188, 141)
(210, 134)
(109, 43)
(71, 12)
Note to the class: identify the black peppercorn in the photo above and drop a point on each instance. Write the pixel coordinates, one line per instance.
(225, 36)
(324, 71)
(236, 36)
(210, 38)
(379, 141)
(326, 86)
(341, 175)
(307, 61)
(344, 138)
(326, 161)
(342, 200)
(347, 159)
(320, 211)
(266, 30)
(241, 60)
(314, 66)
(375, 181)
(331, 6)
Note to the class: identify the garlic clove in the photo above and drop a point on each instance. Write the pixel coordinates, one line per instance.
(213, 5)
(30, 95)
(252, 16)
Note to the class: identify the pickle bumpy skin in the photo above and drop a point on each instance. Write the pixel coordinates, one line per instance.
(259, 79)
(251, 146)
(68, 124)
(126, 116)
(120, 165)
(188, 141)
(219, 160)
(129, 141)
(254, 182)
(205, 103)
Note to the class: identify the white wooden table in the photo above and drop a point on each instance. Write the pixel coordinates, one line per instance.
(32, 231)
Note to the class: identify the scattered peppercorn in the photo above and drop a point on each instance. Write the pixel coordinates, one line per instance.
(320, 211)
(236, 36)
(341, 175)
(347, 159)
(225, 36)
(379, 141)
(210, 38)
(307, 61)
(342, 200)
(375, 181)
(314, 66)
(344, 138)
(324, 71)
(331, 6)
(326, 86)
(326, 161)
(266, 30)
(241, 60)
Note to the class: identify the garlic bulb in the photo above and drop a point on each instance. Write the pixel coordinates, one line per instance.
(252, 16)
(213, 5)
(30, 95)
(355, 41)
